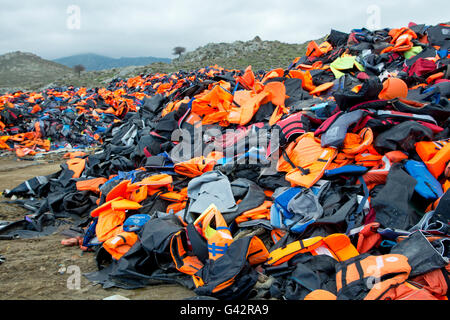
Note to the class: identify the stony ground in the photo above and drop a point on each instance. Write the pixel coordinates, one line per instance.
(40, 268)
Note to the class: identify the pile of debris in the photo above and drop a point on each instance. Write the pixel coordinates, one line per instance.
(325, 180)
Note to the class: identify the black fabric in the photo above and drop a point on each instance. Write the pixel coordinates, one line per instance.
(392, 203)
(345, 98)
(422, 256)
(295, 92)
(310, 273)
(251, 194)
(356, 290)
(137, 267)
(199, 244)
(402, 137)
(438, 35)
(442, 211)
(264, 112)
(232, 265)
(440, 112)
(33, 227)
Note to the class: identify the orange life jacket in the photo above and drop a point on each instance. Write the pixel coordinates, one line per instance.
(336, 245)
(305, 160)
(429, 286)
(377, 274)
(118, 245)
(77, 165)
(260, 212)
(111, 216)
(220, 238)
(90, 184)
(435, 155)
(184, 260)
(195, 166)
(357, 143)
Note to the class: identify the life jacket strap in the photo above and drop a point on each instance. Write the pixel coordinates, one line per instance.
(303, 170)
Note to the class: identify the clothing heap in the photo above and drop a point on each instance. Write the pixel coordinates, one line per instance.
(348, 199)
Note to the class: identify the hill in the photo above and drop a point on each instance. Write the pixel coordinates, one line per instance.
(23, 70)
(93, 61)
(239, 54)
(259, 54)
(32, 72)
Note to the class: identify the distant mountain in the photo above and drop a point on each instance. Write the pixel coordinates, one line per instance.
(24, 70)
(94, 62)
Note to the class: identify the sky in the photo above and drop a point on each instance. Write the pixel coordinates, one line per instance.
(134, 28)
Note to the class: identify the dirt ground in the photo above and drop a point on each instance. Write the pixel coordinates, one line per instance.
(43, 269)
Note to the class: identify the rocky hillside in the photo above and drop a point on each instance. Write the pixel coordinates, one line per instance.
(236, 55)
(239, 54)
(35, 73)
(23, 70)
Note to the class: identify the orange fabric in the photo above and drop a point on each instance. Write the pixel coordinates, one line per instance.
(195, 167)
(120, 190)
(153, 182)
(214, 105)
(91, 184)
(247, 80)
(305, 76)
(446, 185)
(111, 216)
(277, 92)
(437, 164)
(322, 88)
(378, 174)
(394, 265)
(120, 244)
(109, 223)
(434, 77)
(315, 50)
(77, 165)
(393, 88)
(310, 159)
(184, 262)
(249, 102)
(220, 236)
(277, 114)
(139, 194)
(367, 159)
(320, 294)
(428, 149)
(335, 245)
(401, 40)
(260, 212)
(76, 154)
(429, 286)
(274, 73)
(368, 237)
(357, 143)
(257, 252)
(276, 234)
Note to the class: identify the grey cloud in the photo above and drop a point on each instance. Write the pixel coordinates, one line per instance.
(143, 28)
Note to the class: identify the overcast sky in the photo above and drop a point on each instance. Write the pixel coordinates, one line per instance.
(54, 29)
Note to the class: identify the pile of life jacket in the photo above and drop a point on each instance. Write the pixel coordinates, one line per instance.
(328, 179)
